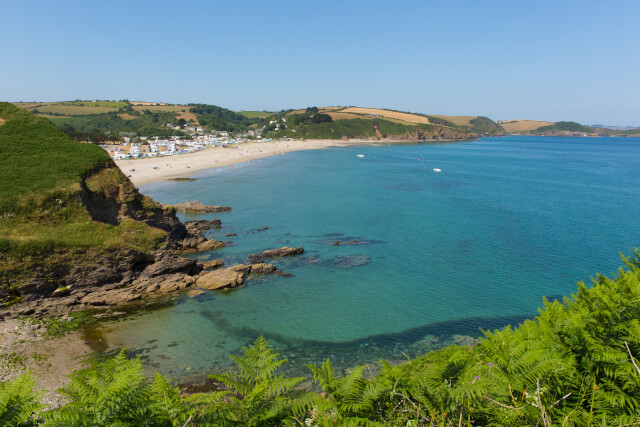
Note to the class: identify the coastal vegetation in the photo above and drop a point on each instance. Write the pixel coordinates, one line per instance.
(562, 127)
(535, 127)
(46, 214)
(112, 120)
(573, 364)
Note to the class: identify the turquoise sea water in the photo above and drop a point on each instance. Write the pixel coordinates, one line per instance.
(507, 222)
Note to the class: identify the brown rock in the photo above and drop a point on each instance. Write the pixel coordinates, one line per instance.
(210, 245)
(199, 225)
(273, 253)
(113, 297)
(213, 264)
(167, 263)
(243, 269)
(263, 268)
(197, 207)
(202, 244)
(220, 279)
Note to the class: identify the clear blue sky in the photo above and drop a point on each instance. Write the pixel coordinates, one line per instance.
(546, 60)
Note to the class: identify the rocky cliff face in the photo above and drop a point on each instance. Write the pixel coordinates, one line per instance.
(70, 278)
(437, 133)
(110, 197)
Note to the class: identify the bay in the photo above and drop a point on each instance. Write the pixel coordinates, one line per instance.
(507, 222)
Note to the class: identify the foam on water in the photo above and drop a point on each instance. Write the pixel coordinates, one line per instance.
(507, 222)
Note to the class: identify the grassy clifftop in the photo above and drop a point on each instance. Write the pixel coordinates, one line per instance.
(61, 200)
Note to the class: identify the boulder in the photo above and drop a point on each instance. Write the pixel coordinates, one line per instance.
(113, 297)
(273, 253)
(243, 269)
(263, 268)
(210, 245)
(213, 264)
(220, 279)
(163, 284)
(200, 244)
(167, 263)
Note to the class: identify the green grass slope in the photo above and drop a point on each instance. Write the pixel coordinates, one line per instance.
(35, 157)
(561, 127)
(55, 194)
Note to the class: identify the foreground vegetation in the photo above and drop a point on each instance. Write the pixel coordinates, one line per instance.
(573, 364)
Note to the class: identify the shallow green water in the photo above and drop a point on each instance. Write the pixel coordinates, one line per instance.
(478, 245)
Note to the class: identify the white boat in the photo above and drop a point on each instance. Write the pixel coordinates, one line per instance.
(437, 170)
(359, 155)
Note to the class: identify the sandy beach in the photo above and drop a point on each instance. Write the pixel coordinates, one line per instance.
(156, 169)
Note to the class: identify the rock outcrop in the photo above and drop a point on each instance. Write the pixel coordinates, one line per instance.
(232, 277)
(199, 225)
(198, 243)
(213, 264)
(275, 253)
(197, 207)
(127, 277)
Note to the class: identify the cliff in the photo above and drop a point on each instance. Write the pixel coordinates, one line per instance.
(73, 226)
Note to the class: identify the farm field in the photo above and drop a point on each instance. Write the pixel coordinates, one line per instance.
(523, 125)
(161, 108)
(458, 120)
(255, 114)
(407, 117)
(72, 109)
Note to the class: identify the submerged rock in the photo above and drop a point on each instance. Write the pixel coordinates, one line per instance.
(346, 262)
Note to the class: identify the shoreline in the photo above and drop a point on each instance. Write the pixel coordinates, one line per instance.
(157, 169)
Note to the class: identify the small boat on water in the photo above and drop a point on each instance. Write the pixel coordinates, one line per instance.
(437, 170)
(359, 155)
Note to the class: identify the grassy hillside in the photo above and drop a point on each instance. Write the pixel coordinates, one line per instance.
(561, 127)
(35, 157)
(47, 185)
(357, 122)
(109, 119)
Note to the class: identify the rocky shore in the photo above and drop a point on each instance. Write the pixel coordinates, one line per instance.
(126, 275)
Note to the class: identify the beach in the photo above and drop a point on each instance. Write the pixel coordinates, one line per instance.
(155, 169)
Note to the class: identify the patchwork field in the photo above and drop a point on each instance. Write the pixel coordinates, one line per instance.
(187, 116)
(254, 114)
(458, 120)
(161, 108)
(72, 109)
(127, 116)
(407, 117)
(146, 103)
(523, 125)
(345, 116)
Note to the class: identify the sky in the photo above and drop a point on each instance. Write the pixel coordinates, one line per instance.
(516, 59)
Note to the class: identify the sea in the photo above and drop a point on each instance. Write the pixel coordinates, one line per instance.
(399, 258)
